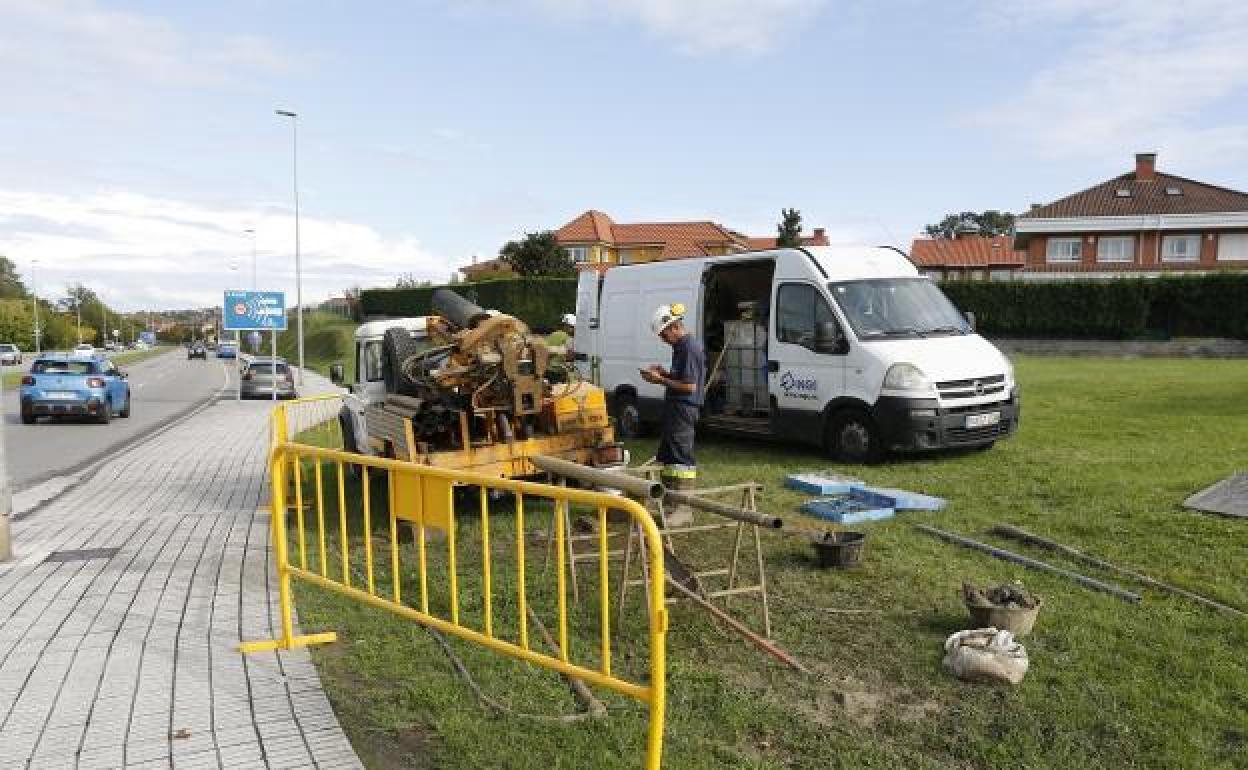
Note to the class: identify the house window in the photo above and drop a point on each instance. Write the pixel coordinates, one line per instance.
(1233, 246)
(1180, 248)
(578, 253)
(1064, 250)
(1002, 275)
(1115, 248)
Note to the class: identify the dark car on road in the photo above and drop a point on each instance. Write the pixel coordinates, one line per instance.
(68, 384)
(227, 350)
(196, 350)
(264, 375)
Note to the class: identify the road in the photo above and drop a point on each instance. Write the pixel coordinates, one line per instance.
(161, 388)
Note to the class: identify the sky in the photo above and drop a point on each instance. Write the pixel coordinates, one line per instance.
(139, 143)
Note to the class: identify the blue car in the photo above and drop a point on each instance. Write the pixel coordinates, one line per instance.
(227, 349)
(64, 384)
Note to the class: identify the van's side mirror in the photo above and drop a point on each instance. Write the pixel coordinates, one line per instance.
(336, 374)
(829, 339)
(970, 319)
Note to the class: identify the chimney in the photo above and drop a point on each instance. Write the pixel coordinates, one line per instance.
(820, 236)
(1145, 166)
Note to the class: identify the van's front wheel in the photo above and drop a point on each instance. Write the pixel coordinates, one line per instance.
(853, 437)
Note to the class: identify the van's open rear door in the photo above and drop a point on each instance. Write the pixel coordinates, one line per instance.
(585, 341)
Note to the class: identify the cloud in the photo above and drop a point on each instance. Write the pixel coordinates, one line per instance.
(138, 251)
(76, 51)
(698, 26)
(1136, 71)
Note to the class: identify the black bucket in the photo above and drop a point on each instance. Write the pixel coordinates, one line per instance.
(841, 550)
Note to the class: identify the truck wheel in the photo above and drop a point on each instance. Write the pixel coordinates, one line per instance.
(628, 423)
(397, 346)
(853, 437)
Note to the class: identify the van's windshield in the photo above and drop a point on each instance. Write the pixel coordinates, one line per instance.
(897, 307)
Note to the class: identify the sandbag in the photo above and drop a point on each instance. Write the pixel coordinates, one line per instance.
(985, 655)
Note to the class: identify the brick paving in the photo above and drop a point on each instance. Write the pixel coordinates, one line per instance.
(128, 661)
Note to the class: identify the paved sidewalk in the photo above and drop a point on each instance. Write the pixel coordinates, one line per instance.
(127, 659)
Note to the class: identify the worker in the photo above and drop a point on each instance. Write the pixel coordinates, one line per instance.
(683, 391)
(562, 337)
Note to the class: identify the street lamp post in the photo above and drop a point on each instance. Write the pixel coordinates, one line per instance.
(34, 302)
(294, 128)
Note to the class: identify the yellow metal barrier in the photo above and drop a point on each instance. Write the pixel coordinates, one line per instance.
(424, 498)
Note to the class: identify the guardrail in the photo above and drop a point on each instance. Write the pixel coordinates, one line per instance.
(373, 568)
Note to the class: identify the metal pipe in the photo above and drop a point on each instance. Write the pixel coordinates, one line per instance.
(629, 485)
(462, 312)
(1083, 580)
(1015, 533)
(730, 511)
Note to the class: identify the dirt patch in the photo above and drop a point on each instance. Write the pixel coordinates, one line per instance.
(866, 703)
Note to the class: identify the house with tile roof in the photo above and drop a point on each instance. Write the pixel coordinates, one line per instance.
(968, 256)
(593, 238)
(1144, 222)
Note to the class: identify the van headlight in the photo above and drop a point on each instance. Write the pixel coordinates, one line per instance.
(908, 377)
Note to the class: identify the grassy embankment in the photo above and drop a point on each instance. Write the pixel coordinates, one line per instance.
(327, 339)
(1107, 450)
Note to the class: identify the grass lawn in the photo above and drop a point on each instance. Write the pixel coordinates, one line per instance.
(1107, 450)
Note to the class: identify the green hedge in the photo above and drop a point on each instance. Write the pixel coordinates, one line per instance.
(539, 302)
(1212, 305)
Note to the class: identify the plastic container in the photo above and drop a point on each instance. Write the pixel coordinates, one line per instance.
(1020, 620)
(841, 550)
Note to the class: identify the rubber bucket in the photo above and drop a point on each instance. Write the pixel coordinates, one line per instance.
(840, 550)
(1019, 620)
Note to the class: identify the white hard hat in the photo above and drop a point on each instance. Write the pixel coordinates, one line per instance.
(666, 315)
(568, 319)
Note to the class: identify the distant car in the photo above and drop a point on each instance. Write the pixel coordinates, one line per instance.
(84, 347)
(71, 384)
(110, 346)
(9, 354)
(264, 375)
(196, 350)
(227, 350)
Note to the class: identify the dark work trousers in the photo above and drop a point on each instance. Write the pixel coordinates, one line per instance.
(676, 442)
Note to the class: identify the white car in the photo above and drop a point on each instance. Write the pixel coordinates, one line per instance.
(84, 347)
(9, 354)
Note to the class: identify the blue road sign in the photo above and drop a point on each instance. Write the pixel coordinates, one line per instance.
(258, 310)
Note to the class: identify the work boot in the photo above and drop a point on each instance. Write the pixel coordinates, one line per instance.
(678, 478)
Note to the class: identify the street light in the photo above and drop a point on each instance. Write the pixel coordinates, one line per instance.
(34, 302)
(294, 134)
(252, 232)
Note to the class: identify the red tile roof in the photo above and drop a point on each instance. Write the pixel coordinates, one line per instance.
(967, 251)
(677, 239)
(1144, 197)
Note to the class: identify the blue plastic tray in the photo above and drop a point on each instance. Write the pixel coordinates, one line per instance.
(908, 501)
(855, 506)
(821, 484)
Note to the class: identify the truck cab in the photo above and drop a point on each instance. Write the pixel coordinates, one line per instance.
(368, 388)
(847, 348)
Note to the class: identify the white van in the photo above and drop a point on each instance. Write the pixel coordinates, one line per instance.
(847, 348)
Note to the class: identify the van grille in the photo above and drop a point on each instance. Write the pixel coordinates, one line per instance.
(972, 388)
(972, 435)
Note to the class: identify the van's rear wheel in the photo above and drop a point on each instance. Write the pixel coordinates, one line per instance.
(853, 437)
(627, 418)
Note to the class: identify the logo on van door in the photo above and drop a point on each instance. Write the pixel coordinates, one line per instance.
(798, 387)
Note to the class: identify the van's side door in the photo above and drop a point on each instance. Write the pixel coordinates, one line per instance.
(806, 366)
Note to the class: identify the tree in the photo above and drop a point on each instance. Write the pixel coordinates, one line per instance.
(991, 222)
(789, 231)
(538, 254)
(410, 281)
(11, 286)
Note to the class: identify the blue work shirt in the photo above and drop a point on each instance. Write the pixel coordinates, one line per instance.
(688, 365)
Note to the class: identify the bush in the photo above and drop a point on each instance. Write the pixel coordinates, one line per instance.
(539, 302)
(1212, 305)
